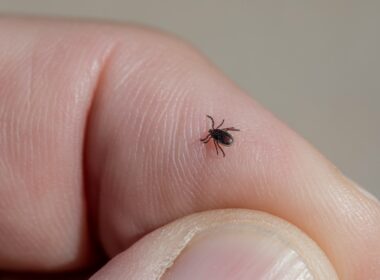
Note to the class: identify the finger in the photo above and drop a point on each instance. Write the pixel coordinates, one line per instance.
(265, 173)
(48, 74)
(46, 276)
(222, 244)
(147, 167)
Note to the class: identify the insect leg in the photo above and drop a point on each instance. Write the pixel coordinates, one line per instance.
(212, 120)
(220, 124)
(216, 146)
(221, 149)
(230, 129)
(207, 140)
(208, 136)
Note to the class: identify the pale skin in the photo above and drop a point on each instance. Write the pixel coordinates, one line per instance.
(99, 146)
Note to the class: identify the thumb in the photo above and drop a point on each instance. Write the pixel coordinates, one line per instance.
(222, 244)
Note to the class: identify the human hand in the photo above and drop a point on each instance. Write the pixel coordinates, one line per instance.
(99, 149)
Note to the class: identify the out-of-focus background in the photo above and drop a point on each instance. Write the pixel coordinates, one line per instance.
(316, 64)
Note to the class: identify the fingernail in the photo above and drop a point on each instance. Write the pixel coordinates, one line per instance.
(238, 252)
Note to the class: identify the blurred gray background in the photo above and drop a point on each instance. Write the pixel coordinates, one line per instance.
(316, 64)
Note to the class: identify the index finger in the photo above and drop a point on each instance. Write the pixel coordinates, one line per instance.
(136, 101)
(148, 167)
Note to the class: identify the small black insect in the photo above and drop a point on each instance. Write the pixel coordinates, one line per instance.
(219, 136)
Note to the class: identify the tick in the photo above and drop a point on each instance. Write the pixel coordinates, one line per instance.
(220, 136)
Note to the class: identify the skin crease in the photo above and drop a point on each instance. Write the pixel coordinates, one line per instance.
(99, 142)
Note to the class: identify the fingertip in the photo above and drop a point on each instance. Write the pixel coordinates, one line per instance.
(222, 244)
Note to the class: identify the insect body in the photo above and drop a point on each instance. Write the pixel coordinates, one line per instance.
(220, 136)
